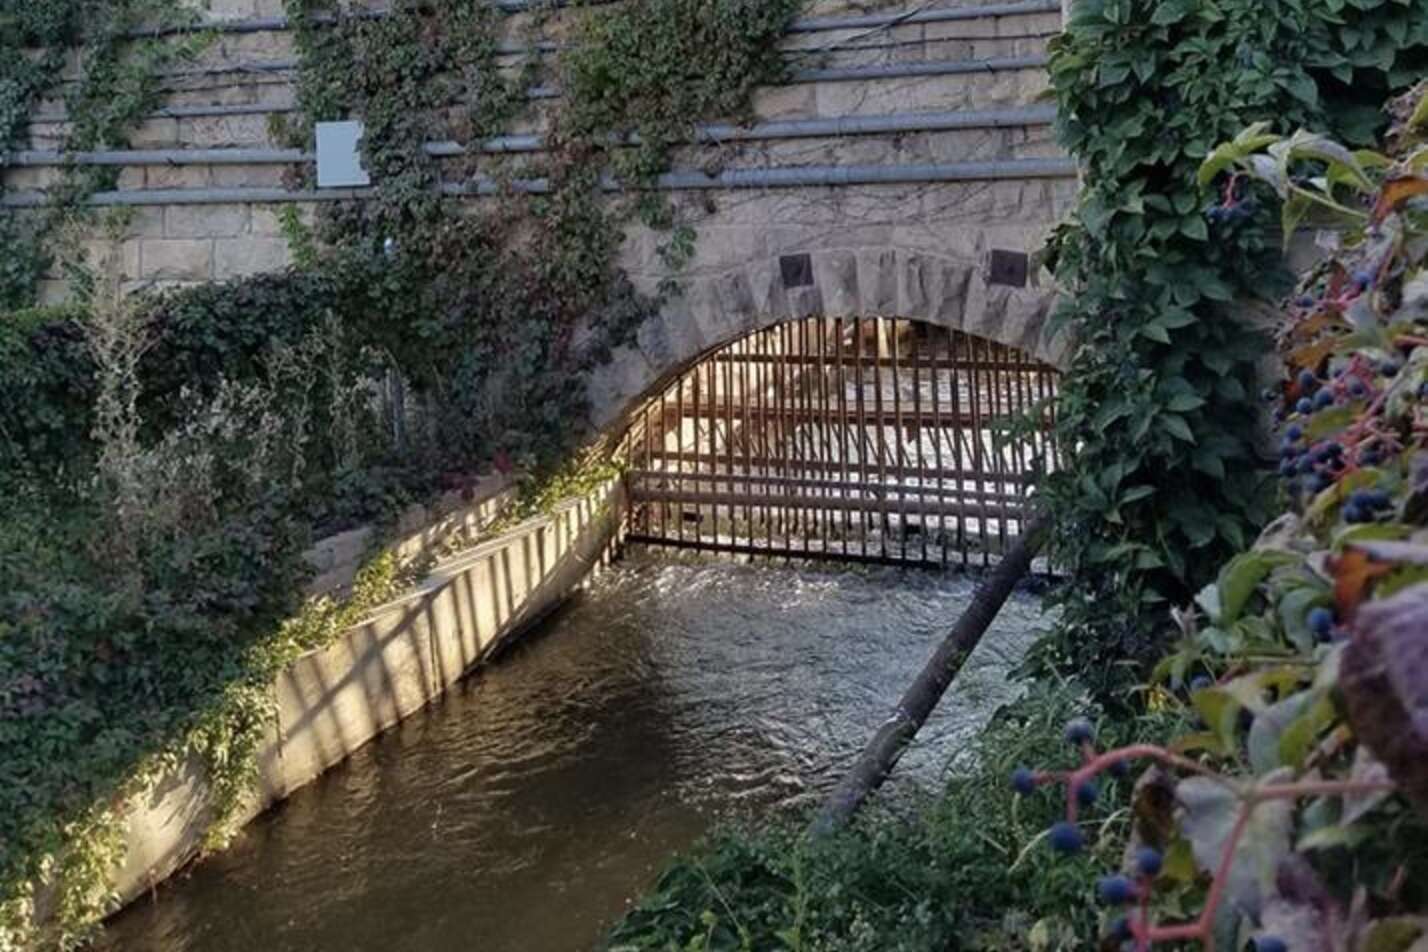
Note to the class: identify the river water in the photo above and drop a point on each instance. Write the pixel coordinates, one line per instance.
(523, 811)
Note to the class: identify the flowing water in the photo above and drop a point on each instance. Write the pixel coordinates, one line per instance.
(521, 813)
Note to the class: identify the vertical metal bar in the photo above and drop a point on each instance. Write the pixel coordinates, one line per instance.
(648, 520)
(959, 422)
(863, 463)
(979, 448)
(917, 429)
(842, 385)
(679, 453)
(771, 430)
(882, 435)
(899, 436)
(744, 398)
(825, 456)
(995, 361)
(786, 528)
(712, 395)
(1023, 406)
(936, 375)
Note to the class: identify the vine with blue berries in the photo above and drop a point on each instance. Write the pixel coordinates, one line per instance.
(1294, 814)
(1163, 474)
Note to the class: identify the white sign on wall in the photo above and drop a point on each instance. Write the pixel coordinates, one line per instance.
(339, 161)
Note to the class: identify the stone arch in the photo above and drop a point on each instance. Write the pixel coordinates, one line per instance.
(714, 309)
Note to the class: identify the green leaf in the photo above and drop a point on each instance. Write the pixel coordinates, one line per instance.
(1177, 427)
(1269, 727)
(1211, 813)
(1241, 576)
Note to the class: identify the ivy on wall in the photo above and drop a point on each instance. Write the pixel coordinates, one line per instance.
(150, 567)
(1162, 478)
(117, 83)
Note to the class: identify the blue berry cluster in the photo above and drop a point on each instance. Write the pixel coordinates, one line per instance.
(1228, 213)
(1367, 505)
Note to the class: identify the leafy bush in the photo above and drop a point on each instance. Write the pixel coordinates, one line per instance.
(959, 874)
(1296, 813)
(1162, 479)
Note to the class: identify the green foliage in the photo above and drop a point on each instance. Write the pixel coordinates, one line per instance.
(1162, 478)
(655, 68)
(1304, 797)
(958, 874)
(151, 571)
(118, 85)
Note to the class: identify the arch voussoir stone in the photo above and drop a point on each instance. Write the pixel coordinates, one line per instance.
(883, 281)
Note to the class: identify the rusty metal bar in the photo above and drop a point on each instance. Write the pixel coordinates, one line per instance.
(812, 503)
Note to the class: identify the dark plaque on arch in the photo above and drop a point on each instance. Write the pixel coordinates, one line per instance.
(1010, 268)
(797, 271)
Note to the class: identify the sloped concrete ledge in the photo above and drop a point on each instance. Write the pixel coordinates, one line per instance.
(406, 654)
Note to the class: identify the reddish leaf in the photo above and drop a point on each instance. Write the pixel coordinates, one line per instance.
(1395, 192)
(1353, 572)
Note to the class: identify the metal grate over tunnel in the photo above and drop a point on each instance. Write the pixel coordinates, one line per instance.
(874, 440)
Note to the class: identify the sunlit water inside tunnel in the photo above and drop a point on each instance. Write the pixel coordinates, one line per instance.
(525, 809)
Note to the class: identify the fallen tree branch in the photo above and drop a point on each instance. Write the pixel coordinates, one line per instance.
(922, 696)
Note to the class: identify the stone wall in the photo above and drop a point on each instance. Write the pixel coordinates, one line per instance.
(333, 701)
(954, 101)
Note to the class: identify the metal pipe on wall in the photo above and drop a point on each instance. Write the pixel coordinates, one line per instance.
(690, 180)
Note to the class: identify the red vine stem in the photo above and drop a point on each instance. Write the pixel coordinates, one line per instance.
(1203, 927)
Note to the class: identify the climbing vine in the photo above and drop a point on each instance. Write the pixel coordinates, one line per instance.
(1163, 476)
(173, 457)
(1294, 815)
(118, 85)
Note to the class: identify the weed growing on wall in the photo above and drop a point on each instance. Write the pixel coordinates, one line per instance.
(1163, 478)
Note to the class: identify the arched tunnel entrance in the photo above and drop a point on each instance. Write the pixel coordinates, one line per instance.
(877, 440)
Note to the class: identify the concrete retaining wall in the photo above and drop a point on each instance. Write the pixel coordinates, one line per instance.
(334, 700)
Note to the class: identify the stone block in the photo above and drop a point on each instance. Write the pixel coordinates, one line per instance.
(176, 176)
(836, 276)
(877, 278)
(146, 221)
(155, 134)
(214, 132)
(913, 297)
(249, 176)
(205, 221)
(247, 255)
(950, 290)
(230, 9)
(685, 337)
(808, 302)
(131, 177)
(164, 259)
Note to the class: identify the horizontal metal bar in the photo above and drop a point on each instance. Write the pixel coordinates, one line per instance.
(887, 417)
(862, 469)
(839, 74)
(907, 363)
(187, 112)
(903, 507)
(836, 127)
(900, 123)
(796, 177)
(847, 488)
(193, 196)
(803, 25)
(123, 157)
(881, 20)
(782, 552)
